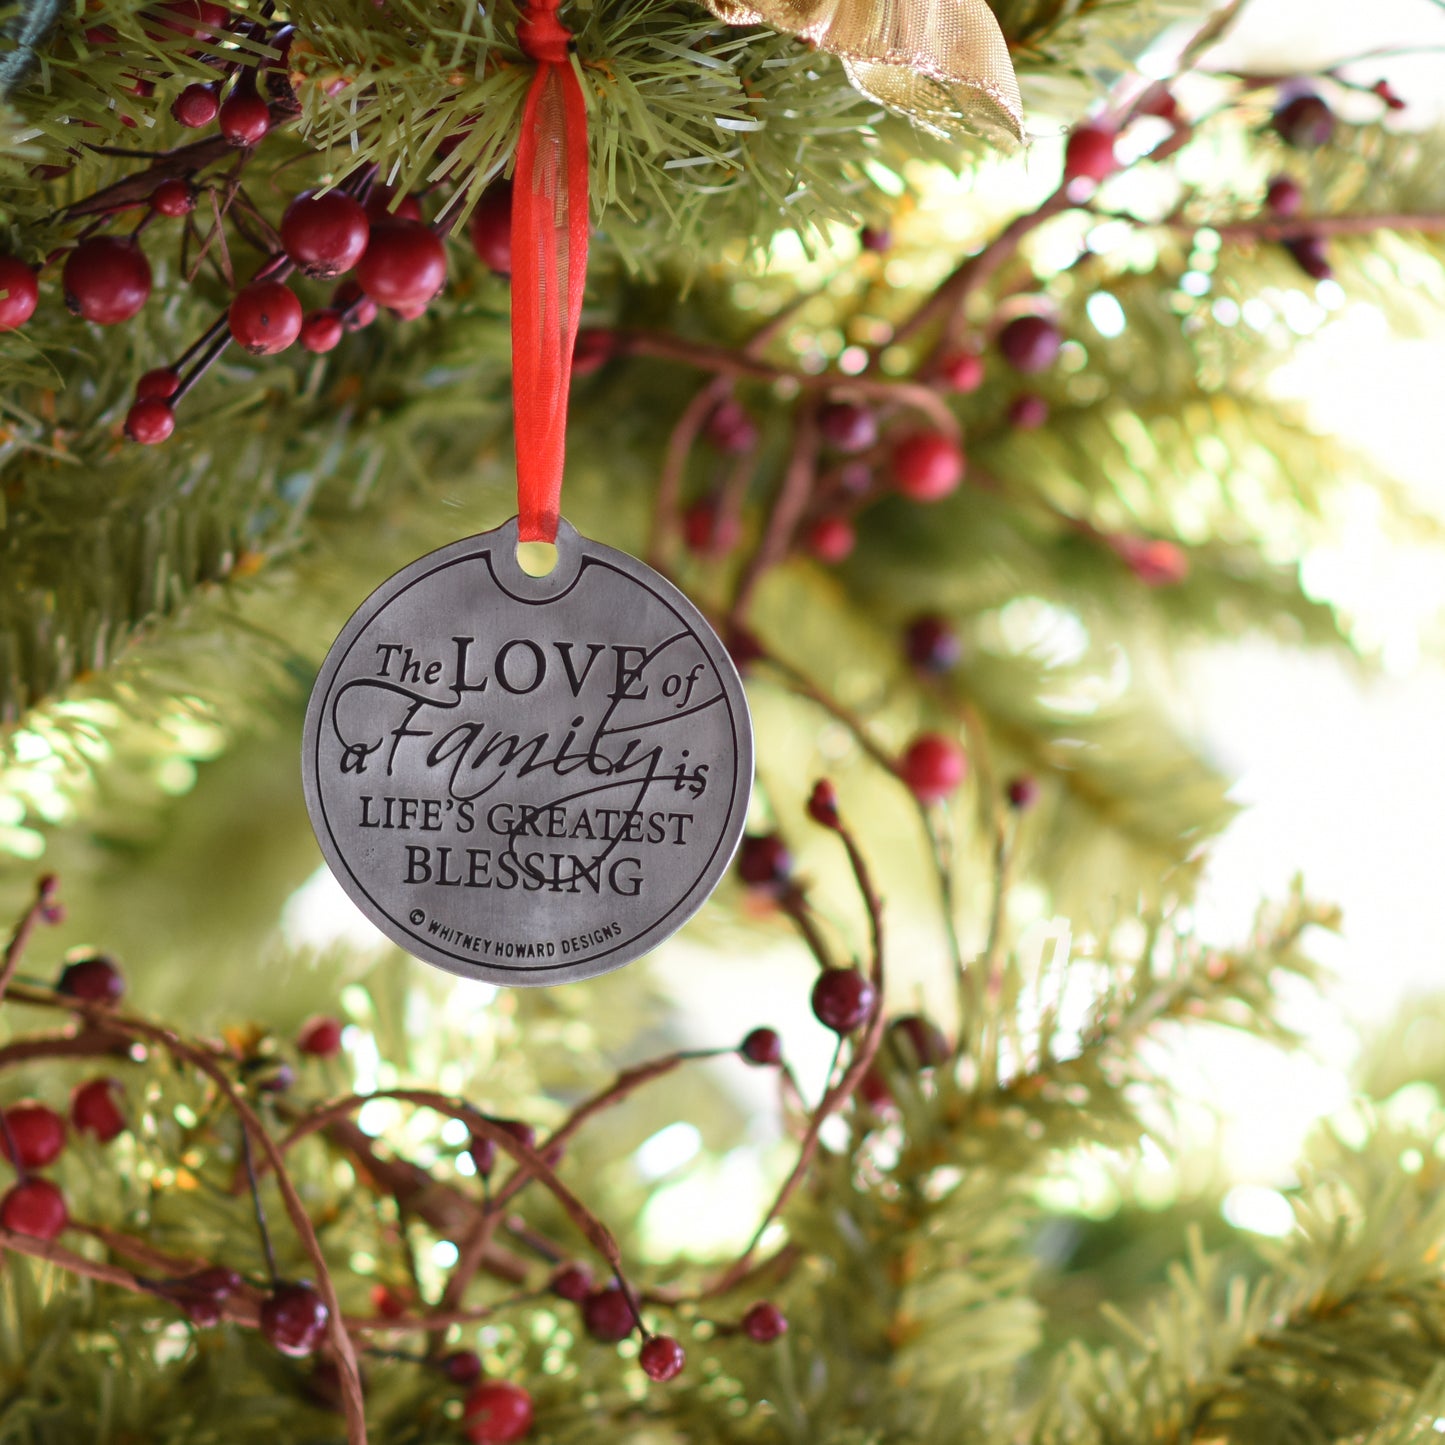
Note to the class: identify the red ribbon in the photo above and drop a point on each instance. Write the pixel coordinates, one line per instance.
(549, 266)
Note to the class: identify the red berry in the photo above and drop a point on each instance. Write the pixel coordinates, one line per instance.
(93, 979)
(36, 1208)
(245, 118)
(20, 291)
(762, 1046)
(320, 1036)
(1022, 792)
(294, 1319)
(1161, 103)
(764, 1322)
(1028, 412)
(823, 803)
(594, 349)
(933, 767)
(379, 203)
(831, 539)
(405, 263)
(497, 1413)
(1090, 154)
(1284, 197)
(731, 429)
(917, 1042)
(707, 531)
(196, 106)
(764, 861)
(572, 1282)
(38, 1133)
(325, 235)
(1387, 93)
(202, 1294)
(356, 308)
(410, 312)
(1312, 255)
(322, 331)
(492, 229)
(1305, 122)
(106, 280)
(607, 1315)
(386, 1302)
(1156, 562)
(873, 1091)
(150, 421)
(462, 1367)
(842, 999)
(1030, 343)
(961, 371)
(265, 317)
(927, 466)
(484, 1154)
(161, 383)
(173, 198)
(877, 239)
(662, 1358)
(931, 644)
(94, 1110)
(848, 427)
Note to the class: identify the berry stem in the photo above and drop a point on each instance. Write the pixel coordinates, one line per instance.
(30, 920)
(267, 1247)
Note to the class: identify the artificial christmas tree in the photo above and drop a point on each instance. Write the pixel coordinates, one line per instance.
(953, 446)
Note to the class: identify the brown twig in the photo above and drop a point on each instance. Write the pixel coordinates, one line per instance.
(41, 907)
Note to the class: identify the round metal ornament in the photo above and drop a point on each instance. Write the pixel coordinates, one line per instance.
(528, 780)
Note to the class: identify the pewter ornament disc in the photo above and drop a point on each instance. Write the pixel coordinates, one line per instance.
(528, 780)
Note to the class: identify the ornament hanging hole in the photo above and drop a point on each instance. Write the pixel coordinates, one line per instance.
(537, 559)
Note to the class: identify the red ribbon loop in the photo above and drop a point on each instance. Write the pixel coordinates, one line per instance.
(549, 266)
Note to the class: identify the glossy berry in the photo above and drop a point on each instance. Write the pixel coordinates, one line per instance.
(36, 1208)
(1312, 256)
(764, 1323)
(1284, 197)
(321, 331)
(405, 264)
(201, 1295)
(265, 317)
(842, 999)
(763, 1047)
(731, 429)
(94, 1109)
(1306, 122)
(196, 106)
(497, 1413)
(38, 1134)
(927, 466)
(1155, 561)
(245, 118)
(1022, 793)
(709, 532)
(662, 1358)
(492, 229)
(19, 293)
(106, 280)
(917, 1042)
(933, 767)
(932, 645)
(379, 205)
(320, 1037)
(607, 1315)
(764, 861)
(173, 197)
(462, 1367)
(1028, 412)
(357, 310)
(294, 1319)
(161, 383)
(848, 427)
(823, 803)
(1089, 154)
(150, 421)
(572, 1282)
(325, 235)
(831, 539)
(93, 979)
(961, 371)
(1030, 343)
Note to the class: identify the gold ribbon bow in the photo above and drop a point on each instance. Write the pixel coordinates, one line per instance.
(943, 63)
